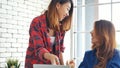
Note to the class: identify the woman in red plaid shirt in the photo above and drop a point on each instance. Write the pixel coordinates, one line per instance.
(47, 34)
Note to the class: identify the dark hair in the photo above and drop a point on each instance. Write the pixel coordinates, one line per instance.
(105, 32)
(52, 16)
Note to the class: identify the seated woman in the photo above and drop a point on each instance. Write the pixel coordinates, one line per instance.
(104, 53)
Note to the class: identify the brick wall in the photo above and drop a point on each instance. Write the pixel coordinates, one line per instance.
(15, 18)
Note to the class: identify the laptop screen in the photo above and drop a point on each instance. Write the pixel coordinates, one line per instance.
(49, 66)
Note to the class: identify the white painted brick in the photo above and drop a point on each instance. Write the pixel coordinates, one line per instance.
(3, 30)
(22, 14)
(4, 1)
(16, 54)
(10, 0)
(12, 12)
(11, 3)
(6, 16)
(6, 26)
(6, 44)
(8, 35)
(44, 7)
(28, 11)
(39, 10)
(24, 53)
(22, 64)
(11, 49)
(36, 13)
(6, 6)
(2, 40)
(22, 40)
(25, 36)
(18, 27)
(34, 1)
(38, 5)
(34, 4)
(2, 65)
(40, 2)
(25, 45)
(1, 34)
(22, 5)
(15, 27)
(21, 49)
(5, 55)
(17, 36)
(31, 16)
(28, 19)
(23, 23)
(2, 60)
(19, 9)
(21, 59)
(3, 50)
(12, 30)
(3, 10)
(18, 18)
(31, 8)
(19, 1)
(11, 21)
(11, 40)
(16, 45)
(23, 31)
(0, 1)
(2, 20)
(25, 28)
(0, 5)
(28, 3)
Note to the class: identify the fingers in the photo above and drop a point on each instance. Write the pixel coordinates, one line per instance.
(57, 60)
(71, 63)
(67, 63)
(54, 60)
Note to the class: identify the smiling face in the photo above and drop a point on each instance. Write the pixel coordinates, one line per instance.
(63, 10)
(94, 37)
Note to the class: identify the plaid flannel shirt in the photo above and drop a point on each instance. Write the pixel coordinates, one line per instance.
(39, 42)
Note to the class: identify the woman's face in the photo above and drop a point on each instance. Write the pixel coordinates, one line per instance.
(94, 37)
(63, 10)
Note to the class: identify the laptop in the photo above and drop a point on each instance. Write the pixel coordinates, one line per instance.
(49, 66)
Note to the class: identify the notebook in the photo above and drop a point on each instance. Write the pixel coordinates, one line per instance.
(49, 66)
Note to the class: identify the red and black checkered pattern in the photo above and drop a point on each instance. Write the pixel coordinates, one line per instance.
(39, 42)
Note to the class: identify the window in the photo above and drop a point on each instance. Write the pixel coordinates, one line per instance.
(86, 12)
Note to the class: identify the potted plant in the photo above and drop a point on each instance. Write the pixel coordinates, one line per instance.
(12, 63)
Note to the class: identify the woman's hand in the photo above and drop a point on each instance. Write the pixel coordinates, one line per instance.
(71, 63)
(53, 58)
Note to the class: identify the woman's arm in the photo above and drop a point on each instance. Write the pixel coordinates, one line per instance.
(61, 58)
(53, 58)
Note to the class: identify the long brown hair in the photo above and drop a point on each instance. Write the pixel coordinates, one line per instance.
(53, 17)
(105, 33)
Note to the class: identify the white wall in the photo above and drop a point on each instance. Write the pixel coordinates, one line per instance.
(15, 18)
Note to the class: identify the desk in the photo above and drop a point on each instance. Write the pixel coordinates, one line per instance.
(49, 66)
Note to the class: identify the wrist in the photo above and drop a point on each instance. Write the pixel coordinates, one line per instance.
(47, 56)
